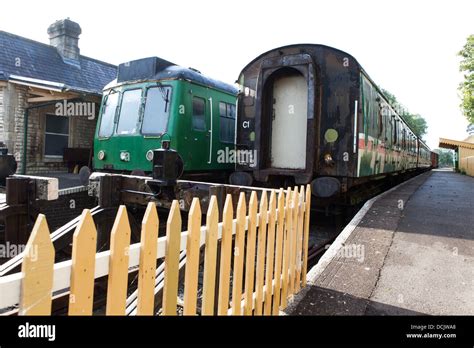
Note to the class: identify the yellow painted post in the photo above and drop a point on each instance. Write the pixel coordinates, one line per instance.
(226, 252)
(192, 258)
(148, 253)
(279, 251)
(118, 264)
(173, 239)
(286, 250)
(84, 246)
(239, 256)
(250, 256)
(270, 254)
(261, 240)
(37, 268)
(294, 228)
(210, 258)
(307, 215)
(299, 239)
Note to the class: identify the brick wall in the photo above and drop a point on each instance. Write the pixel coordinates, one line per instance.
(13, 100)
(62, 210)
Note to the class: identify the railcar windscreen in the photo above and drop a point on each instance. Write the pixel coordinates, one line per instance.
(157, 109)
(108, 113)
(129, 112)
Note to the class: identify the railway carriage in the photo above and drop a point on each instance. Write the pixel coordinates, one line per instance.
(311, 114)
(153, 100)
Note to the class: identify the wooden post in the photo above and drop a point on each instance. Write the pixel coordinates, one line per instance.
(16, 225)
(286, 250)
(84, 245)
(239, 256)
(250, 257)
(210, 258)
(118, 264)
(37, 269)
(226, 252)
(279, 252)
(294, 227)
(270, 254)
(173, 239)
(299, 239)
(261, 240)
(147, 270)
(192, 258)
(306, 233)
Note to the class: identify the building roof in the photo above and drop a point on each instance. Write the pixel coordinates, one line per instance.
(22, 59)
(453, 144)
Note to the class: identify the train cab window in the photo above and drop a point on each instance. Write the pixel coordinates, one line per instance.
(129, 112)
(227, 122)
(157, 110)
(109, 107)
(199, 114)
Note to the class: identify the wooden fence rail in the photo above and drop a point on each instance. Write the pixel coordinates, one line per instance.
(252, 264)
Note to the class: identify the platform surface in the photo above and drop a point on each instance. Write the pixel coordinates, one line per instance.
(412, 253)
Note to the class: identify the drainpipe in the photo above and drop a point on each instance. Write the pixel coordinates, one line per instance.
(26, 115)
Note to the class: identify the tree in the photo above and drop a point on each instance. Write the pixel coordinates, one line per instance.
(467, 86)
(416, 122)
(446, 158)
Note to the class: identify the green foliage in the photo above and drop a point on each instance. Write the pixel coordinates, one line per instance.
(467, 86)
(416, 122)
(446, 157)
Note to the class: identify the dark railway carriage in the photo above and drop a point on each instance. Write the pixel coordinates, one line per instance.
(310, 114)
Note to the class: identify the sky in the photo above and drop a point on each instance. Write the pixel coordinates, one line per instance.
(408, 47)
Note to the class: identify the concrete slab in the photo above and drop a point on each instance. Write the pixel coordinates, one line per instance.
(415, 260)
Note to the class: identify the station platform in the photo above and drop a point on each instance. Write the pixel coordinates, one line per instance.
(409, 251)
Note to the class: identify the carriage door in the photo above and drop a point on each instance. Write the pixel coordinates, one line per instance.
(199, 145)
(289, 121)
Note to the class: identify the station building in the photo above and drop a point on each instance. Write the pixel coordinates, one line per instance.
(49, 99)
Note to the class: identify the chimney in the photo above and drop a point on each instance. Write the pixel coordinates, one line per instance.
(64, 35)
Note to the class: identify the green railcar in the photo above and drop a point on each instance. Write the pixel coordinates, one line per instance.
(153, 100)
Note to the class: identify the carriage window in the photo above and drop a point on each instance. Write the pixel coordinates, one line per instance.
(108, 114)
(227, 118)
(157, 110)
(395, 130)
(380, 119)
(199, 115)
(128, 119)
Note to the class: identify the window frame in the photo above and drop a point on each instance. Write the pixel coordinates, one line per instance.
(119, 93)
(192, 114)
(227, 117)
(53, 157)
(118, 113)
(144, 101)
